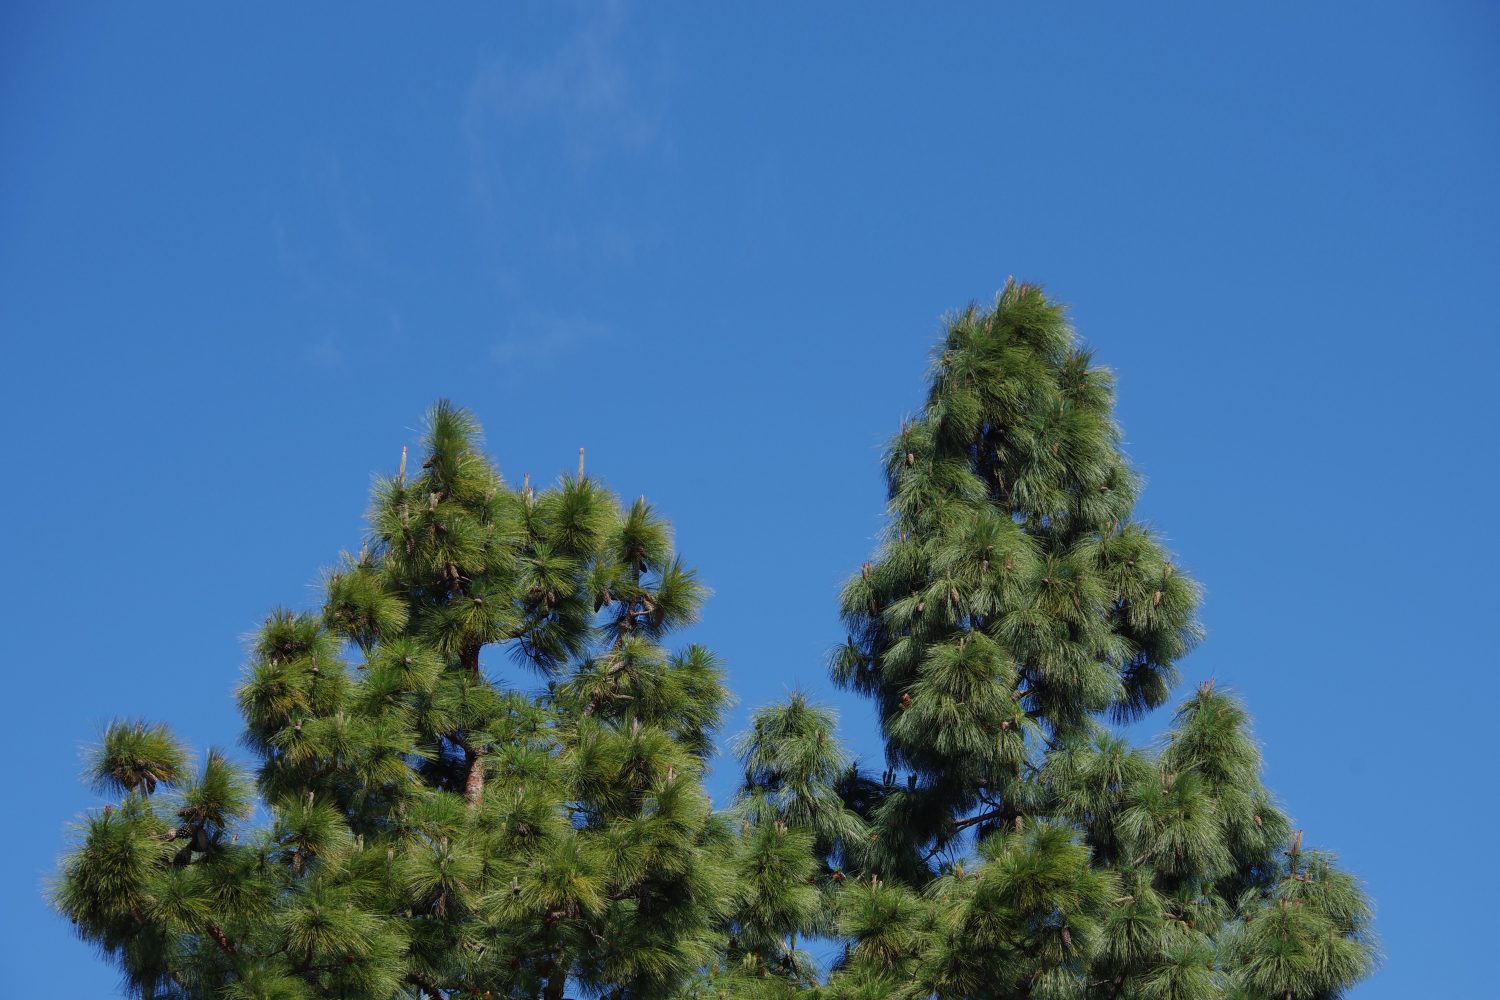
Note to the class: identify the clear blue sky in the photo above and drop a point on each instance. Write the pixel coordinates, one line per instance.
(241, 251)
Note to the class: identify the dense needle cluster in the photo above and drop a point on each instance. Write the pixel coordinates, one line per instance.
(440, 827)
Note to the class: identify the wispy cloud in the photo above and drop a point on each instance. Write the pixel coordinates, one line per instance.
(581, 95)
(560, 114)
(324, 352)
(358, 239)
(334, 257)
(546, 340)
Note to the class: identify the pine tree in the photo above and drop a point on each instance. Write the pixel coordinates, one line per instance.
(443, 824)
(433, 829)
(1015, 608)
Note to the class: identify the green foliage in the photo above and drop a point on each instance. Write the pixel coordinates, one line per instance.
(442, 822)
(432, 826)
(1014, 608)
(134, 756)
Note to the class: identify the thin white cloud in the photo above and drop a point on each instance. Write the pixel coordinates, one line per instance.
(359, 242)
(547, 340)
(580, 97)
(324, 352)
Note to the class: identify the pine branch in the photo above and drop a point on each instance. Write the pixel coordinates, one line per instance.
(221, 939)
(964, 824)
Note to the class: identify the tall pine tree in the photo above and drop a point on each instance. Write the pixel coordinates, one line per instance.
(433, 831)
(1018, 847)
(444, 822)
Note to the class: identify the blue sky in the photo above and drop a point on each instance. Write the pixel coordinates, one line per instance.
(242, 250)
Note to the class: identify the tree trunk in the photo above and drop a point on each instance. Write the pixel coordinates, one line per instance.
(474, 783)
(556, 982)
